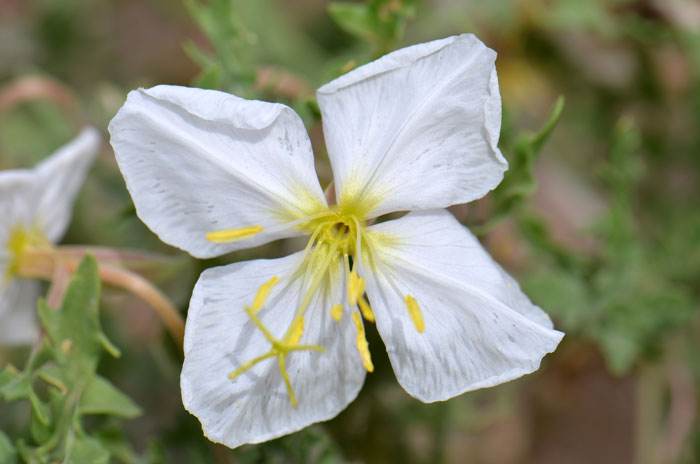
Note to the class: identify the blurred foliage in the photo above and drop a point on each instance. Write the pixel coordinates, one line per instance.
(226, 68)
(619, 297)
(600, 223)
(519, 181)
(378, 22)
(66, 362)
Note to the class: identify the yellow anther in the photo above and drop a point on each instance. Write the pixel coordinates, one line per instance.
(367, 312)
(263, 293)
(231, 235)
(337, 312)
(356, 287)
(362, 345)
(297, 332)
(415, 313)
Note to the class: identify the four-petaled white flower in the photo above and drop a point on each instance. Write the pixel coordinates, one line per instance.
(36, 207)
(273, 345)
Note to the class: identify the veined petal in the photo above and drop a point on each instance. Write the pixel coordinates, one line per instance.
(59, 179)
(18, 322)
(421, 119)
(220, 338)
(197, 161)
(479, 329)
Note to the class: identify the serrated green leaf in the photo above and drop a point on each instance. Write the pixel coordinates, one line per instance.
(75, 328)
(101, 397)
(8, 453)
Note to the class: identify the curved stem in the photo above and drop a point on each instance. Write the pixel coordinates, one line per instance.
(147, 292)
(45, 268)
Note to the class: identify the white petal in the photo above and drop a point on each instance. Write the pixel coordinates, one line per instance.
(422, 119)
(196, 161)
(220, 337)
(59, 179)
(19, 198)
(18, 321)
(480, 329)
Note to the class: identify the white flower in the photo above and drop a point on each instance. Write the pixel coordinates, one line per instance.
(36, 206)
(276, 344)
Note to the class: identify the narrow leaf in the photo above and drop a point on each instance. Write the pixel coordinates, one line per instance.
(101, 397)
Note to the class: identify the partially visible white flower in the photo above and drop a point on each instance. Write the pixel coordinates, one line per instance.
(274, 345)
(36, 207)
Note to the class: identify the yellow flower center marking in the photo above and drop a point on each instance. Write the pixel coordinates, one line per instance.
(336, 238)
(23, 241)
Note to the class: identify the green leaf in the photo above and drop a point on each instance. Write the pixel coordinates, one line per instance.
(518, 181)
(355, 19)
(14, 385)
(40, 431)
(101, 397)
(39, 408)
(86, 450)
(564, 295)
(538, 139)
(75, 327)
(52, 374)
(8, 454)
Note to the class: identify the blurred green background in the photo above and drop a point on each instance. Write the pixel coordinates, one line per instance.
(601, 225)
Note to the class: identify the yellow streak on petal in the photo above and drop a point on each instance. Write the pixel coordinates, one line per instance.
(232, 235)
(362, 345)
(263, 293)
(415, 313)
(337, 312)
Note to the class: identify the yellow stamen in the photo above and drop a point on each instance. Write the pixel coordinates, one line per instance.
(280, 348)
(337, 312)
(231, 235)
(263, 293)
(415, 313)
(367, 312)
(287, 382)
(362, 345)
(247, 365)
(297, 333)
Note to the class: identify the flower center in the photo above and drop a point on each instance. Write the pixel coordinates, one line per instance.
(27, 248)
(334, 246)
